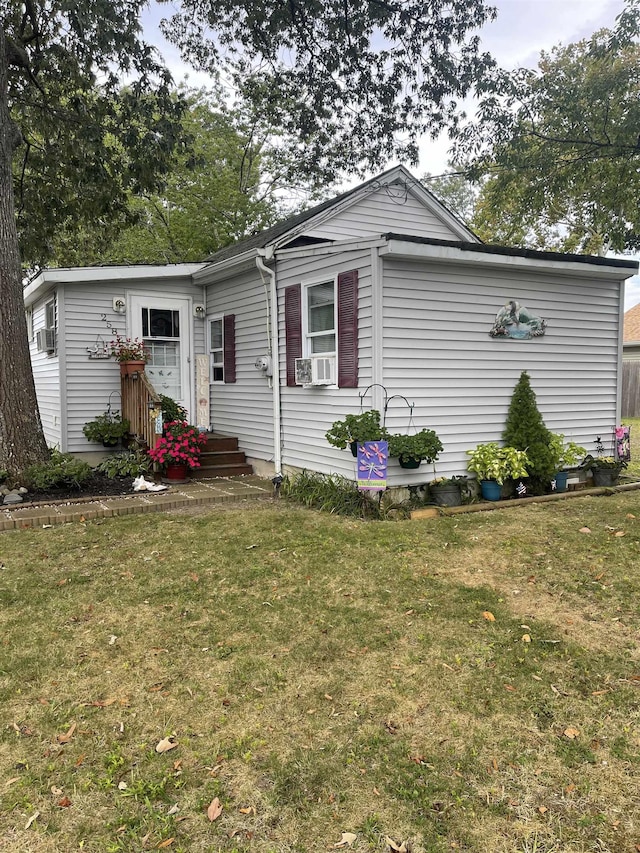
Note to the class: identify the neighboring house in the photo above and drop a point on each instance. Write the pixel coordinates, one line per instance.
(631, 364)
(388, 294)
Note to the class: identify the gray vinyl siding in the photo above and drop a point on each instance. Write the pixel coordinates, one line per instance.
(244, 408)
(307, 413)
(94, 385)
(438, 353)
(46, 374)
(383, 211)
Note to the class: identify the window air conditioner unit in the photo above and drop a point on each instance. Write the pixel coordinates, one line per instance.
(46, 340)
(317, 370)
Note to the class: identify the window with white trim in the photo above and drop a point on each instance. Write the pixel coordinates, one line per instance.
(216, 349)
(320, 319)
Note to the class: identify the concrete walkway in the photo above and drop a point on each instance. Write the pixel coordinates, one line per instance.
(195, 493)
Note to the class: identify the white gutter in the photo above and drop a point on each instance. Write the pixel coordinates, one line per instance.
(272, 321)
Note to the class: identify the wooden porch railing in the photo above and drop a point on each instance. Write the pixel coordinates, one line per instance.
(139, 397)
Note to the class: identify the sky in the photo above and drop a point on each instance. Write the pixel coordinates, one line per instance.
(521, 30)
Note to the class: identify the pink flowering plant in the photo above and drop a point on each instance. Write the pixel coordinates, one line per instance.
(128, 349)
(180, 444)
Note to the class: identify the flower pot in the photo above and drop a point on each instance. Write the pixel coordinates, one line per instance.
(446, 495)
(129, 367)
(409, 463)
(561, 481)
(605, 476)
(491, 490)
(354, 448)
(176, 473)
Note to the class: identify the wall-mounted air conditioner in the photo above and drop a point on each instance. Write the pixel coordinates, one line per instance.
(46, 340)
(316, 370)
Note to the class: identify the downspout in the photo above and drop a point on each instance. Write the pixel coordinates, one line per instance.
(274, 348)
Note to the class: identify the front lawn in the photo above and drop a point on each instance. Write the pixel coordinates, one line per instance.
(464, 683)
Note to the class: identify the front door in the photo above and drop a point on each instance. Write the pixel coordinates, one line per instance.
(163, 324)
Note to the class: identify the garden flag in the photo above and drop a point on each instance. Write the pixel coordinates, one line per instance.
(372, 466)
(623, 443)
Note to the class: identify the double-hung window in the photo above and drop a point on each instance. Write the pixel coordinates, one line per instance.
(216, 349)
(321, 319)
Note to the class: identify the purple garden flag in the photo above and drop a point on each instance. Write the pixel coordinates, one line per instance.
(623, 443)
(372, 466)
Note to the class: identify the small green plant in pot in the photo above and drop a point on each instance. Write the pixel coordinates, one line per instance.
(448, 491)
(108, 428)
(565, 456)
(605, 469)
(355, 429)
(411, 450)
(494, 464)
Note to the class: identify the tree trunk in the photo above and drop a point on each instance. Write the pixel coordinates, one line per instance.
(22, 440)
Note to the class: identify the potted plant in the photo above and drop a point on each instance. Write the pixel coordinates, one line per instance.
(109, 428)
(178, 449)
(565, 456)
(447, 491)
(411, 450)
(355, 429)
(130, 353)
(605, 469)
(493, 465)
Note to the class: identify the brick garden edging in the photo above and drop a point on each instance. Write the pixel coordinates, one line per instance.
(197, 493)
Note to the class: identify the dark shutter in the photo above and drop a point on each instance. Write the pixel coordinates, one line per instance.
(293, 329)
(229, 347)
(348, 329)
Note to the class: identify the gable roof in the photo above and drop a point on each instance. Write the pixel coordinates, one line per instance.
(290, 227)
(632, 325)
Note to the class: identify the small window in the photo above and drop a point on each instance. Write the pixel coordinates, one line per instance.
(321, 318)
(216, 349)
(50, 314)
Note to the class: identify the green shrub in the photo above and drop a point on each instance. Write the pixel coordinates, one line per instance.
(526, 430)
(172, 411)
(128, 464)
(331, 493)
(62, 469)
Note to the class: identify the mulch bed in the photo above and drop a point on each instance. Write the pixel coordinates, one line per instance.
(98, 485)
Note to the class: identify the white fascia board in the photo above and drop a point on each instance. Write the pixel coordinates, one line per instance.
(332, 248)
(450, 254)
(213, 271)
(85, 275)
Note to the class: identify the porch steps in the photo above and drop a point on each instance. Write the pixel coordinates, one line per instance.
(220, 457)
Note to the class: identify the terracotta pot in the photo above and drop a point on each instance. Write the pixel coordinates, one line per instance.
(176, 473)
(129, 367)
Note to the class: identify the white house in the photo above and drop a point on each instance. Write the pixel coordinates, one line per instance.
(386, 292)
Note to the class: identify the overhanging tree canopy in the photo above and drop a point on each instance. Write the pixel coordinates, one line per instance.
(561, 147)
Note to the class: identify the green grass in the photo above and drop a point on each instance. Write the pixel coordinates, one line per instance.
(323, 675)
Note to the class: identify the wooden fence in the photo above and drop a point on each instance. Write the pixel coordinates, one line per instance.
(631, 389)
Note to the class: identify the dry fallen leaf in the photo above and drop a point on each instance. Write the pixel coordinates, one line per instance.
(543, 809)
(165, 745)
(347, 840)
(64, 803)
(65, 738)
(33, 817)
(571, 732)
(215, 809)
(397, 848)
(584, 530)
(526, 638)
(166, 843)
(488, 615)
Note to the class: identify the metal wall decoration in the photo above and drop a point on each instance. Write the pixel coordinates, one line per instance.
(516, 322)
(99, 350)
